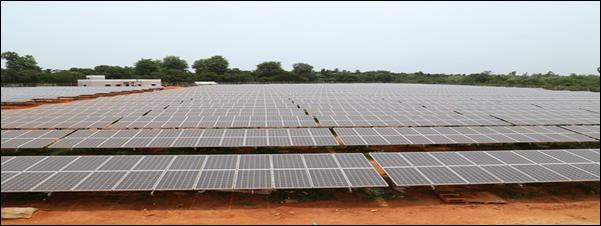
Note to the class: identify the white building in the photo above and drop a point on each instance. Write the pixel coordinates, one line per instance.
(100, 80)
(205, 83)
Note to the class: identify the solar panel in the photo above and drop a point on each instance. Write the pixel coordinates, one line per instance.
(480, 158)
(31, 139)
(508, 174)
(540, 173)
(7, 176)
(288, 161)
(509, 157)
(21, 163)
(590, 168)
(441, 175)
(390, 159)
(364, 178)
(421, 159)
(61, 181)
(290, 179)
(318, 161)
(475, 175)
(328, 178)
(121, 163)
(86, 163)
(24, 182)
(571, 172)
(255, 162)
(566, 157)
(100, 181)
(538, 157)
(52, 163)
(188, 162)
(139, 181)
(222, 162)
(407, 177)
(178, 180)
(355, 160)
(216, 180)
(451, 159)
(586, 154)
(253, 179)
(154, 163)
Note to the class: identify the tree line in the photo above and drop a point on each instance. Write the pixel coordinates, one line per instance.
(173, 69)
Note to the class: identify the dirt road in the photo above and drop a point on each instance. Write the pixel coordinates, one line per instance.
(420, 207)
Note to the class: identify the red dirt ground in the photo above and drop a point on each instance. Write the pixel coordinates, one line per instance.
(420, 206)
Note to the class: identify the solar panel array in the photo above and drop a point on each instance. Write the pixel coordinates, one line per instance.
(316, 105)
(186, 172)
(457, 135)
(23, 94)
(293, 137)
(301, 115)
(490, 167)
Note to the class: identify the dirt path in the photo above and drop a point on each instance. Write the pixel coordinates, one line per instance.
(223, 208)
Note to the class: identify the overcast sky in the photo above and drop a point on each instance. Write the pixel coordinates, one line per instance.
(434, 37)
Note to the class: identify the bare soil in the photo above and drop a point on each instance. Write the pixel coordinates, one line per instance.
(542, 204)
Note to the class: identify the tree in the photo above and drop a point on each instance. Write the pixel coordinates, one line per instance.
(302, 69)
(147, 66)
(214, 64)
(83, 71)
(269, 69)
(114, 72)
(303, 72)
(63, 77)
(20, 63)
(174, 63)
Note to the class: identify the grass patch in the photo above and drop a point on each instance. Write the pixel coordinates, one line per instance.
(302, 195)
(247, 203)
(588, 189)
(379, 193)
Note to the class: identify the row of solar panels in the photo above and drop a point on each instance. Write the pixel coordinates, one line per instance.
(293, 171)
(464, 135)
(494, 167)
(278, 121)
(215, 121)
(298, 137)
(22, 94)
(187, 172)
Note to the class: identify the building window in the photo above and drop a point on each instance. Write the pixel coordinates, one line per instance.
(107, 85)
